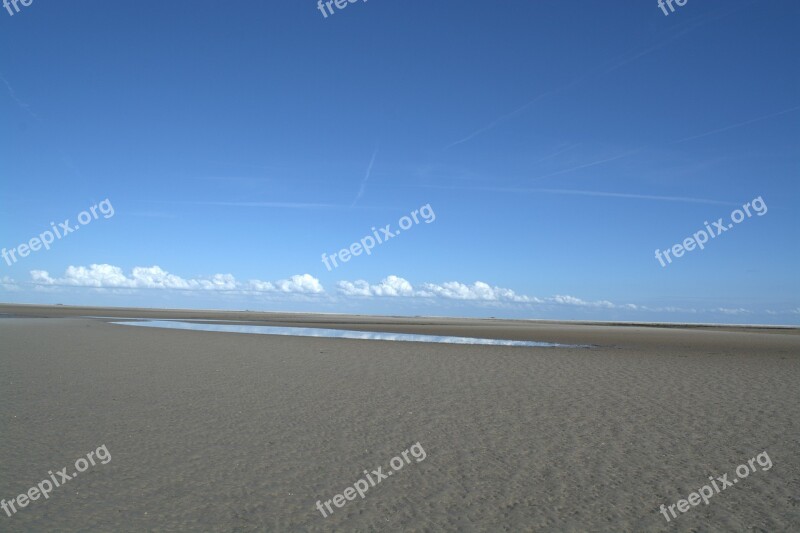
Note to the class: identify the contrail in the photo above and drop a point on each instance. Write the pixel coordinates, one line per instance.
(618, 62)
(366, 178)
(732, 126)
(631, 196)
(586, 165)
(278, 205)
(559, 152)
(684, 199)
(497, 121)
(287, 205)
(22, 105)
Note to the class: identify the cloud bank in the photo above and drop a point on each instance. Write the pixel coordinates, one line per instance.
(300, 286)
(478, 291)
(103, 276)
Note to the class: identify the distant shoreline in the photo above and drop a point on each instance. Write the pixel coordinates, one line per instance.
(57, 311)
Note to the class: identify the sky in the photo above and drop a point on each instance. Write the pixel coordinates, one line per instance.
(548, 150)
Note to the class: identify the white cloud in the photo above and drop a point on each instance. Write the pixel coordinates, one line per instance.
(306, 284)
(477, 291)
(571, 300)
(8, 284)
(389, 286)
(95, 276)
(354, 288)
(102, 276)
(260, 286)
(393, 286)
(396, 286)
(671, 309)
(40, 277)
(729, 311)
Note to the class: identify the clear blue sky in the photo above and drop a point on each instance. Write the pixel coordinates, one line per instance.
(559, 144)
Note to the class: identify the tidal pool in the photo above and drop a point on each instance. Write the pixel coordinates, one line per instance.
(338, 333)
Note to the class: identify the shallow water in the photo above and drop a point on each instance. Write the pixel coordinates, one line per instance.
(337, 333)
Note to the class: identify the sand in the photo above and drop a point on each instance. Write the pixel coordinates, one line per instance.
(234, 432)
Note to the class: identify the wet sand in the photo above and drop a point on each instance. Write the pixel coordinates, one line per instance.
(236, 432)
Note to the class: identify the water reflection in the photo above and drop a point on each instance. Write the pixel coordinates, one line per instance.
(336, 333)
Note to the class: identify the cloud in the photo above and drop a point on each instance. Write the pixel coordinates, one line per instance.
(305, 283)
(104, 276)
(479, 291)
(395, 286)
(389, 286)
(8, 284)
(729, 311)
(571, 300)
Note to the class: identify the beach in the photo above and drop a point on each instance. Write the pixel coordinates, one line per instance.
(239, 432)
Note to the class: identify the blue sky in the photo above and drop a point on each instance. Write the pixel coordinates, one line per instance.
(559, 144)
